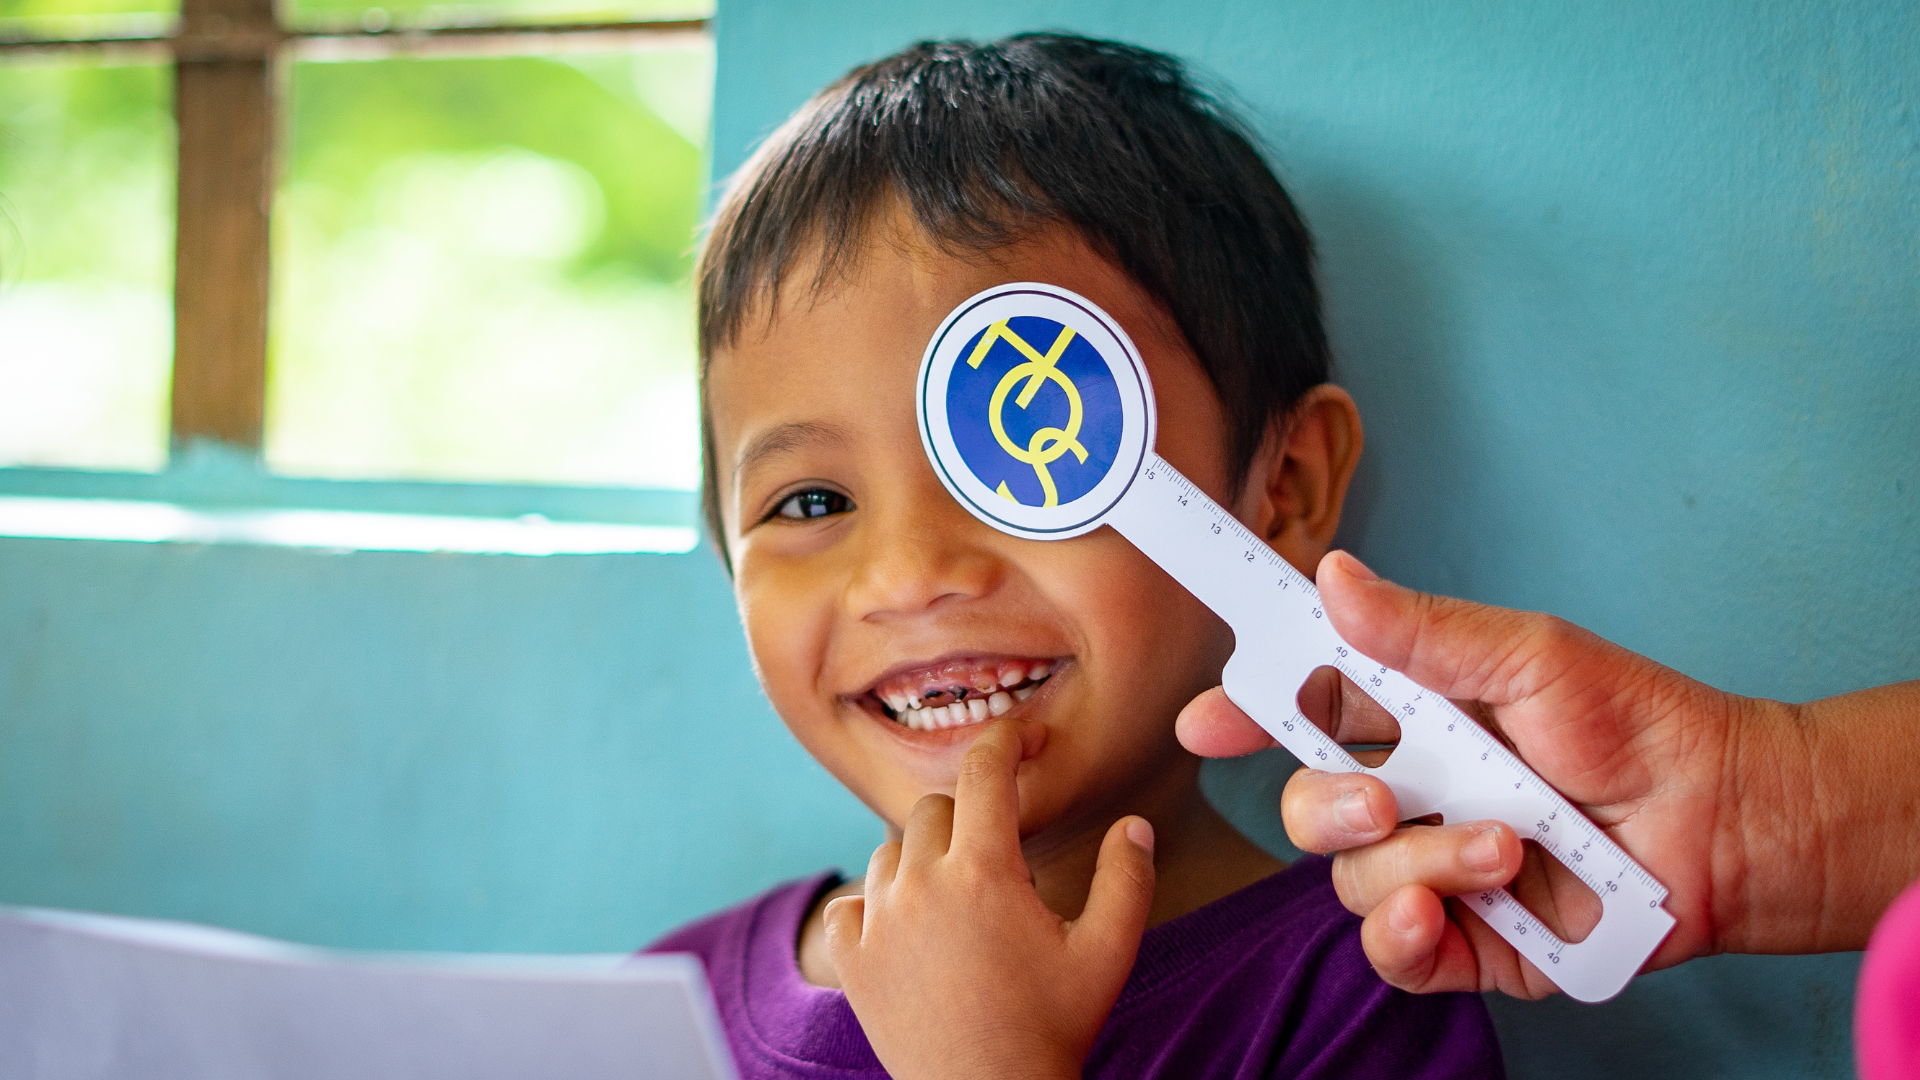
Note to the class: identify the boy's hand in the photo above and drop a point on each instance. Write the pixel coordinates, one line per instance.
(1775, 827)
(951, 961)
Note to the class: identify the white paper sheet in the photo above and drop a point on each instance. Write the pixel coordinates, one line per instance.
(103, 998)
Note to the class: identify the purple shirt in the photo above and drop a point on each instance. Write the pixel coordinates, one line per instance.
(1269, 981)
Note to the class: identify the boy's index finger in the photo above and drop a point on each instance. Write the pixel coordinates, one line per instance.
(986, 795)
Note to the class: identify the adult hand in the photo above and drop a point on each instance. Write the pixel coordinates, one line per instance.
(1776, 828)
(953, 963)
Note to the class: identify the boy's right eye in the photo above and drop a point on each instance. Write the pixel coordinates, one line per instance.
(812, 503)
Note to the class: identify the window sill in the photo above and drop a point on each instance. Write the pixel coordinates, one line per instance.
(212, 496)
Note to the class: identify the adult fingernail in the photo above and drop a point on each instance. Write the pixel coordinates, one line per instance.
(1355, 813)
(1483, 851)
(1398, 917)
(1359, 569)
(1140, 831)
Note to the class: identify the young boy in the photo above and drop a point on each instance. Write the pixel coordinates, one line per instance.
(1057, 897)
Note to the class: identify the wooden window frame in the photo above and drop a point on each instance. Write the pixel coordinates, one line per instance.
(228, 59)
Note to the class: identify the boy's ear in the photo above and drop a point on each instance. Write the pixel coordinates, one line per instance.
(1298, 481)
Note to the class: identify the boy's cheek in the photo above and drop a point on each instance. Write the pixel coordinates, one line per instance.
(786, 635)
(1134, 611)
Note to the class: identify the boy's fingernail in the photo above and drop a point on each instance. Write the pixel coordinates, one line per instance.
(1398, 917)
(1355, 812)
(1483, 851)
(1140, 831)
(1358, 569)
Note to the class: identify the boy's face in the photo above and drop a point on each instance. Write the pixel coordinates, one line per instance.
(866, 590)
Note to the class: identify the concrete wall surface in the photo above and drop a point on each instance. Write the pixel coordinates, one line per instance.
(1629, 295)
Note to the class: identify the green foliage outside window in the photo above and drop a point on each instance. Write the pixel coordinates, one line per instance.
(331, 11)
(482, 270)
(86, 264)
(78, 17)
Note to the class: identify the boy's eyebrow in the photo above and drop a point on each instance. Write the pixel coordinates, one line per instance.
(784, 439)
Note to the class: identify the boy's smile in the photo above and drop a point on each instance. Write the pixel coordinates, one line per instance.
(888, 624)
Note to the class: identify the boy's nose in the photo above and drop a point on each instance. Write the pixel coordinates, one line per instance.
(913, 563)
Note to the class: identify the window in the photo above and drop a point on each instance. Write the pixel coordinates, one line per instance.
(441, 251)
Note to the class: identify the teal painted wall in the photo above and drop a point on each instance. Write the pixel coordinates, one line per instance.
(394, 750)
(1629, 295)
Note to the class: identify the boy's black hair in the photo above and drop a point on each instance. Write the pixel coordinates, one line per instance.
(985, 143)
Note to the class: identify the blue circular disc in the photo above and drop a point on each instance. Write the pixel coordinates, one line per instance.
(1035, 409)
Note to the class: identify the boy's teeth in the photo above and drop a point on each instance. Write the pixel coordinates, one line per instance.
(970, 692)
(971, 711)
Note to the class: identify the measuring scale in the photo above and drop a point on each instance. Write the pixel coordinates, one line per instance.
(1037, 414)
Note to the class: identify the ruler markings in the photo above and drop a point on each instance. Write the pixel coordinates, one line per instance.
(1197, 541)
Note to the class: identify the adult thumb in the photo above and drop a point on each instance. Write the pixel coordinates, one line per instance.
(1456, 648)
